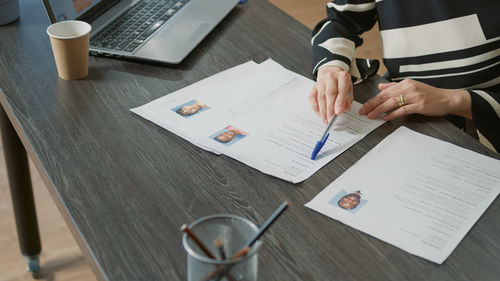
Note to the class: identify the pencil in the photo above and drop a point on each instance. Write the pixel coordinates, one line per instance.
(224, 269)
(202, 246)
(268, 223)
(198, 242)
(219, 244)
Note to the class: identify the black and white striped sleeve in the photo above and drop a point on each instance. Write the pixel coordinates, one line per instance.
(335, 38)
(485, 105)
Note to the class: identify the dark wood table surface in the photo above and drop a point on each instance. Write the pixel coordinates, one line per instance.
(125, 185)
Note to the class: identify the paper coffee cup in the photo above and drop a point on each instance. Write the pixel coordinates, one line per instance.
(70, 45)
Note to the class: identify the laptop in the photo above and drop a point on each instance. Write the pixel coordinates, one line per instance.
(163, 31)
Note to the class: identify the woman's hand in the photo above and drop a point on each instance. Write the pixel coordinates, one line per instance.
(417, 97)
(329, 94)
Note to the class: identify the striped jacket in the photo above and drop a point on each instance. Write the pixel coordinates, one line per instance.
(453, 44)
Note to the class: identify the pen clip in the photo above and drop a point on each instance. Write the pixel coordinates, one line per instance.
(318, 147)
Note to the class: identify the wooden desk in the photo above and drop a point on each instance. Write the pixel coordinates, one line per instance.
(125, 186)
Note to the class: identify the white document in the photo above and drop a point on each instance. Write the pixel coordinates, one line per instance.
(220, 96)
(161, 111)
(259, 115)
(282, 130)
(415, 192)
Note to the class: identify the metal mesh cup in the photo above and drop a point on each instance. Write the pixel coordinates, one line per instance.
(234, 231)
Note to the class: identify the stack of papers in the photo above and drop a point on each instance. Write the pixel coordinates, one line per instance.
(415, 192)
(258, 114)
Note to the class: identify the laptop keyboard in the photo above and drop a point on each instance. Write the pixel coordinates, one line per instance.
(133, 27)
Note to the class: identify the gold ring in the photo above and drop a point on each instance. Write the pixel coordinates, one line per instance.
(401, 101)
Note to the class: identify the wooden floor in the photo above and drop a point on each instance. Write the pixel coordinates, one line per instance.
(61, 258)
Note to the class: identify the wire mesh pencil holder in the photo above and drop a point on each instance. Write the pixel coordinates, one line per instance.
(234, 232)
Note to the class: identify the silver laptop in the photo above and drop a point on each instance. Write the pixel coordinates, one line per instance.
(164, 31)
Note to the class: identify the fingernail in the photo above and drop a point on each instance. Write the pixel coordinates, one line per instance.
(338, 110)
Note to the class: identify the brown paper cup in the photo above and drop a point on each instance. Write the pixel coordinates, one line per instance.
(70, 45)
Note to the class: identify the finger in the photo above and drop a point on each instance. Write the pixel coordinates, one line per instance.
(403, 110)
(331, 93)
(383, 86)
(322, 102)
(348, 106)
(350, 98)
(351, 93)
(380, 98)
(388, 105)
(313, 99)
(343, 84)
(374, 102)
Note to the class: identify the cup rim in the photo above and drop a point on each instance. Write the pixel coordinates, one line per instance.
(206, 259)
(68, 37)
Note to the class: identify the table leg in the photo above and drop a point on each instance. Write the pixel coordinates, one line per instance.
(21, 192)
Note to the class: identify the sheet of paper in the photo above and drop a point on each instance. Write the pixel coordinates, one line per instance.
(259, 115)
(282, 130)
(160, 110)
(415, 192)
(214, 99)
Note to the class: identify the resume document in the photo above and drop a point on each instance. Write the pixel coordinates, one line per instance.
(415, 192)
(258, 114)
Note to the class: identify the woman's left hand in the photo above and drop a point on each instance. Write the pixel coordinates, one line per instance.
(410, 96)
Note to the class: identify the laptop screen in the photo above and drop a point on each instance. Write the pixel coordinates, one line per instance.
(70, 9)
(85, 10)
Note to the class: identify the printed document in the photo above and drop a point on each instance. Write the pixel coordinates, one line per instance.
(415, 192)
(258, 114)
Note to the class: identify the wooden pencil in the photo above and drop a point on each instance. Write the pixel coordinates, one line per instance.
(222, 270)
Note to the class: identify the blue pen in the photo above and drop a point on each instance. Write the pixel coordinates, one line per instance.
(325, 136)
(323, 139)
